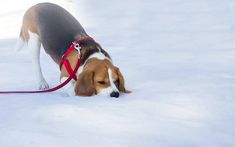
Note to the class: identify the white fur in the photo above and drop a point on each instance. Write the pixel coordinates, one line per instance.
(69, 88)
(19, 44)
(105, 91)
(34, 45)
(111, 88)
(99, 56)
(80, 69)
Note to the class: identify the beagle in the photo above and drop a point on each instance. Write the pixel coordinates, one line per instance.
(55, 28)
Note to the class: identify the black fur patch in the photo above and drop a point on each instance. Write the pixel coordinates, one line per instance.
(89, 48)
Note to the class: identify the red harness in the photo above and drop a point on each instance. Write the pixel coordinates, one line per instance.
(64, 61)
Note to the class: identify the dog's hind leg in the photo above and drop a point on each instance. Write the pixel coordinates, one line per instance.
(34, 45)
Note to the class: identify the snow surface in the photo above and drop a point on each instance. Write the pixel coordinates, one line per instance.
(177, 57)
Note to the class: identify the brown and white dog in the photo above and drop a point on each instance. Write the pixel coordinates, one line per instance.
(55, 28)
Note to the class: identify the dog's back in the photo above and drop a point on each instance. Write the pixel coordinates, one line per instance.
(55, 27)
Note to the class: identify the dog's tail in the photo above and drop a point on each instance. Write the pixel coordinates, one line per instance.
(20, 42)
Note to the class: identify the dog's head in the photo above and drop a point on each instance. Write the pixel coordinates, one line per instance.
(100, 77)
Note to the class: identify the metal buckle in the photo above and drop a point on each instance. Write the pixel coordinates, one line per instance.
(77, 47)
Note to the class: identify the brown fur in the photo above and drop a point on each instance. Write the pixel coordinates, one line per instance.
(86, 84)
(72, 58)
(29, 24)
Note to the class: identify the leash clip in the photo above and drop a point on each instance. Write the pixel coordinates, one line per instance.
(77, 47)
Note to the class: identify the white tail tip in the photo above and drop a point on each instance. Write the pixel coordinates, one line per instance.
(19, 44)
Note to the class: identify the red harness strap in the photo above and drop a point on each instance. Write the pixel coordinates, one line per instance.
(64, 61)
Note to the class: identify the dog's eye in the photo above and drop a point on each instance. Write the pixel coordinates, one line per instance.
(101, 82)
(116, 83)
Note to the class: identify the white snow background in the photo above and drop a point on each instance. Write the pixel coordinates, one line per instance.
(177, 57)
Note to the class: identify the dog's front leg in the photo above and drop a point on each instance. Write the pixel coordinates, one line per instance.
(69, 87)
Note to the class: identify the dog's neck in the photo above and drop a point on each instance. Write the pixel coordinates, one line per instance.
(88, 50)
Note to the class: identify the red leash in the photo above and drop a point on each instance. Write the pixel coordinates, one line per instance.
(39, 91)
(65, 62)
(47, 90)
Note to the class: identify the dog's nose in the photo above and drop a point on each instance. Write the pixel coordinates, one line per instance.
(114, 94)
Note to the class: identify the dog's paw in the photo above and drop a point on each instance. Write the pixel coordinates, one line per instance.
(70, 92)
(43, 85)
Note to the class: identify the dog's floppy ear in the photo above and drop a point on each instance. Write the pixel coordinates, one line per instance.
(121, 86)
(85, 84)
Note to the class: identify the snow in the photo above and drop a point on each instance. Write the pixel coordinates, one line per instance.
(177, 58)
